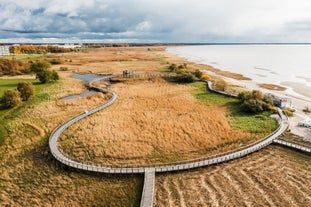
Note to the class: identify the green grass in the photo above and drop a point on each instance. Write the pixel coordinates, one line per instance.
(6, 84)
(24, 56)
(9, 114)
(257, 124)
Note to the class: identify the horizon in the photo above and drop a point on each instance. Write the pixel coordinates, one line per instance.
(137, 21)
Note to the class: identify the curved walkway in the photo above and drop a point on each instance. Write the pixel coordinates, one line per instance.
(150, 170)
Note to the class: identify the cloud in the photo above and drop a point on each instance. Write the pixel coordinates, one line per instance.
(161, 21)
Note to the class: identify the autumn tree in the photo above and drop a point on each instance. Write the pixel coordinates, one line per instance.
(255, 101)
(11, 98)
(43, 72)
(26, 90)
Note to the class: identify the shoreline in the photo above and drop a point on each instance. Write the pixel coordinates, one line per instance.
(299, 94)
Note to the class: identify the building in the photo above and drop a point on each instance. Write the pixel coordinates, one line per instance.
(4, 50)
(281, 102)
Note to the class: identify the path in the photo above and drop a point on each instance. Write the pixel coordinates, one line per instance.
(292, 145)
(150, 170)
(148, 190)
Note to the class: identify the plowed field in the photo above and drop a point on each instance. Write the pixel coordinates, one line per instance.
(274, 176)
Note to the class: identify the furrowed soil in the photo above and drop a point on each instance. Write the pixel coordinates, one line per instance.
(275, 176)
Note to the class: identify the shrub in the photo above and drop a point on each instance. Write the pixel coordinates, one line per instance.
(182, 78)
(173, 67)
(255, 101)
(56, 61)
(26, 90)
(206, 77)
(197, 73)
(39, 66)
(46, 76)
(43, 72)
(11, 98)
(306, 109)
(220, 85)
(63, 69)
(288, 112)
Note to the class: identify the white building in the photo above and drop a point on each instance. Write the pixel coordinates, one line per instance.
(5, 50)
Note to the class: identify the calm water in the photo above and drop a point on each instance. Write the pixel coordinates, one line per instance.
(263, 63)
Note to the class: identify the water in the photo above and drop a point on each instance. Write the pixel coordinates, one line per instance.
(275, 64)
(85, 78)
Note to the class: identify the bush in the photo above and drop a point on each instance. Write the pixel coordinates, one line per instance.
(63, 69)
(197, 73)
(220, 85)
(11, 98)
(26, 90)
(206, 77)
(306, 109)
(288, 112)
(46, 76)
(39, 66)
(182, 78)
(173, 67)
(43, 72)
(56, 61)
(255, 101)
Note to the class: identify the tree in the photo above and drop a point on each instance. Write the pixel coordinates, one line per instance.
(43, 72)
(255, 101)
(11, 98)
(39, 66)
(46, 76)
(26, 90)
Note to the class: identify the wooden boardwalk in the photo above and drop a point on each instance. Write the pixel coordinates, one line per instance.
(292, 145)
(148, 190)
(150, 170)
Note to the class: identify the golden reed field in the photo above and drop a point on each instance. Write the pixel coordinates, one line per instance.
(151, 122)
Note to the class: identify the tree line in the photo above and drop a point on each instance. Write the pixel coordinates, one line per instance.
(24, 90)
(38, 49)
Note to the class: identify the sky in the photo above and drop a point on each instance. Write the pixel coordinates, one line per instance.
(156, 21)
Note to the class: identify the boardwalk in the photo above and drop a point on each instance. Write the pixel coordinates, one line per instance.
(292, 145)
(150, 170)
(148, 190)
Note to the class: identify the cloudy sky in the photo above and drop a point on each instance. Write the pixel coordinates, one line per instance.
(206, 21)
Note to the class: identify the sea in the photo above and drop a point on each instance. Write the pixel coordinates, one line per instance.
(283, 64)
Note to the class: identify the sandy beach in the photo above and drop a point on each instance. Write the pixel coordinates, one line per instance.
(299, 103)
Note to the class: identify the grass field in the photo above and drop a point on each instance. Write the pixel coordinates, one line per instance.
(6, 84)
(258, 125)
(23, 56)
(29, 176)
(146, 112)
(163, 122)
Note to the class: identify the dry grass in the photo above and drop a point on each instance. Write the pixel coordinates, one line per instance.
(272, 177)
(272, 87)
(29, 176)
(113, 60)
(222, 73)
(152, 121)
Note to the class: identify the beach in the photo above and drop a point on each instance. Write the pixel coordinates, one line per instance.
(298, 103)
(283, 83)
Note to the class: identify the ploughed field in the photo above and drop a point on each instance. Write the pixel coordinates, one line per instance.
(275, 176)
